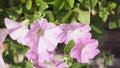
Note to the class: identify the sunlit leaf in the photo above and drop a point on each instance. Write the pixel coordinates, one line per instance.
(43, 5)
(84, 16)
(29, 4)
(69, 4)
(93, 3)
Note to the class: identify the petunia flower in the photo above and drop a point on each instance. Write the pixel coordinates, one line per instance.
(84, 50)
(3, 34)
(16, 30)
(43, 37)
(74, 31)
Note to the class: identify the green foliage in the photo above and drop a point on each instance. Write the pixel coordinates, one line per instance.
(69, 4)
(27, 64)
(77, 65)
(115, 22)
(109, 60)
(58, 5)
(19, 9)
(67, 17)
(83, 16)
(28, 4)
(42, 5)
(15, 54)
(112, 5)
(63, 11)
(49, 16)
(108, 57)
(68, 47)
(93, 3)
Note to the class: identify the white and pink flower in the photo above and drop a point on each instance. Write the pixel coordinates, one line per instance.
(16, 30)
(84, 50)
(74, 31)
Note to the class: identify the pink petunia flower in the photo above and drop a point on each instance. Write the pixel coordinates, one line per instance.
(74, 31)
(3, 34)
(84, 50)
(17, 31)
(43, 37)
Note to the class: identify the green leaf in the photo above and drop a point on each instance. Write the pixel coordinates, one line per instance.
(93, 3)
(84, 16)
(115, 22)
(49, 16)
(104, 15)
(29, 65)
(18, 9)
(113, 25)
(67, 17)
(28, 16)
(69, 46)
(108, 60)
(77, 65)
(38, 15)
(37, 2)
(104, 10)
(28, 4)
(58, 5)
(43, 5)
(24, 51)
(69, 4)
(12, 14)
(96, 29)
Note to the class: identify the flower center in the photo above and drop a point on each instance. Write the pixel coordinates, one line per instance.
(40, 32)
(82, 46)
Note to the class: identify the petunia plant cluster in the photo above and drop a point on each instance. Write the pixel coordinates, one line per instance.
(42, 38)
(32, 32)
